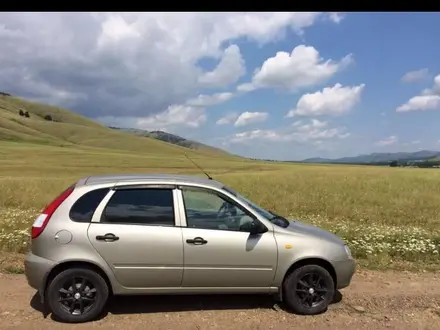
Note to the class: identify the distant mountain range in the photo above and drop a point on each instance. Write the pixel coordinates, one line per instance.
(171, 138)
(379, 158)
(374, 158)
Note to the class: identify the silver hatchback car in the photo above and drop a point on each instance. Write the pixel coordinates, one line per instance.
(174, 234)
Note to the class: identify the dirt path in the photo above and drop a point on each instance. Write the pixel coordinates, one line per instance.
(374, 301)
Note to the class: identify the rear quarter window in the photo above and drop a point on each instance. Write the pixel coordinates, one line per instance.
(85, 206)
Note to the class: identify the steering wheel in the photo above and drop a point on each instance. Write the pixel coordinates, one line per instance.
(228, 211)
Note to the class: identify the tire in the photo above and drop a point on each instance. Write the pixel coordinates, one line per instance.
(300, 298)
(94, 295)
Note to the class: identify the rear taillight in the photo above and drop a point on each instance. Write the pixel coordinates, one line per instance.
(43, 219)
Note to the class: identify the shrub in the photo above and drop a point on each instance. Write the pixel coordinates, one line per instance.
(26, 114)
(48, 117)
(21, 113)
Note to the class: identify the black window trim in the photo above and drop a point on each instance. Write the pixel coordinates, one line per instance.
(225, 197)
(113, 191)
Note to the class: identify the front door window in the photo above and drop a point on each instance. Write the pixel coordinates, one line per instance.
(205, 209)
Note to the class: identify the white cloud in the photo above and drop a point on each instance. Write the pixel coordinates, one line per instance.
(297, 123)
(319, 130)
(411, 143)
(415, 75)
(336, 100)
(227, 72)
(257, 134)
(388, 141)
(436, 87)
(421, 103)
(336, 17)
(314, 123)
(429, 99)
(130, 64)
(246, 87)
(228, 119)
(302, 68)
(315, 130)
(175, 117)
(208, 100)
(248, 118)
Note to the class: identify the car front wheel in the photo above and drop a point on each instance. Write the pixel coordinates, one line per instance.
(308, 290)
(77, 295)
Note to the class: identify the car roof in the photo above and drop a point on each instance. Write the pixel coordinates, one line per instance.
(148, 178)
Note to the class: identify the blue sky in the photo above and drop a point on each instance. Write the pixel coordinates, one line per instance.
(222, 79)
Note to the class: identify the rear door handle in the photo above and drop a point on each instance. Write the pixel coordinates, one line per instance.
(109, 237)
(196, 241)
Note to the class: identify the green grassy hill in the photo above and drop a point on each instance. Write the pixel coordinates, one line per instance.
(70, 129)
(174, 139)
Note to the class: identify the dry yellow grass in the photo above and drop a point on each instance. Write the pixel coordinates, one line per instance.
(388, 216)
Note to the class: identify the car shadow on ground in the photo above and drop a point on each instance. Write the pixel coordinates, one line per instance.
(182, 303)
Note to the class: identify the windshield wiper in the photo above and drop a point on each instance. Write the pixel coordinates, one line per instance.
(285, 222)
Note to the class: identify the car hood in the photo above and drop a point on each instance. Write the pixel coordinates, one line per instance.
(303, 228)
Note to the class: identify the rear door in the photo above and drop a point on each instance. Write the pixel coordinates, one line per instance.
(137, 235)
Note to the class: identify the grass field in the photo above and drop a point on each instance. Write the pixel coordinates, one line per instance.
(389, 216)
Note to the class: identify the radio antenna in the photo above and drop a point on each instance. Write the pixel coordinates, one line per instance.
(201, 169)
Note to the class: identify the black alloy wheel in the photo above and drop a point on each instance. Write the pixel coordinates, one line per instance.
(308, 290)
(311, 290)
(77, 295)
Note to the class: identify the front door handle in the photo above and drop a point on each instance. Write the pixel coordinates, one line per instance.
(196, 241)
(109, 237)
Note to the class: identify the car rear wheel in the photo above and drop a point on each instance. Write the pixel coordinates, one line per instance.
(77, 295)
(308, 290)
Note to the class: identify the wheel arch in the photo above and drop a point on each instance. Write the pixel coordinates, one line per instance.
(310, 261)
(73, 264)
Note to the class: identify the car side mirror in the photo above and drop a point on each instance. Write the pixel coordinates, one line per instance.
(251, 227)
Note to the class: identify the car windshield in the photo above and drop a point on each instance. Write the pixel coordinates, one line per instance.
(272, 217)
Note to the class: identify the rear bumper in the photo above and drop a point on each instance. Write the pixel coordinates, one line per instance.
(344, 272)
(36, 269)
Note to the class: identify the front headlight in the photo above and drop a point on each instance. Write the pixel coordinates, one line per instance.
(348, 251)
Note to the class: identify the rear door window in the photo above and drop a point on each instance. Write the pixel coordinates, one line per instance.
(145, 206)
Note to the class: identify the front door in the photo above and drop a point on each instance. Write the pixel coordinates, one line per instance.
(137, 236)
(216, 252)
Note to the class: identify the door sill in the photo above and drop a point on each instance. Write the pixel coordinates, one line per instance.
(198, 290)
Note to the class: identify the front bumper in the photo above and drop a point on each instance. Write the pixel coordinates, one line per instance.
(344, 272)
(36, 269)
